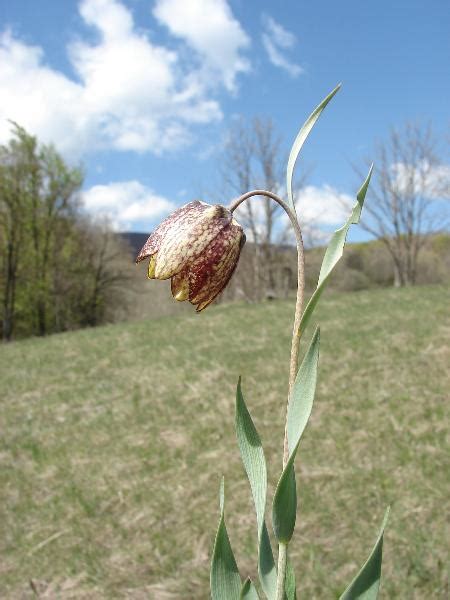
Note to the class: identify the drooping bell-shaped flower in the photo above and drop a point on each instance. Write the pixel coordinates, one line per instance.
(198, 247)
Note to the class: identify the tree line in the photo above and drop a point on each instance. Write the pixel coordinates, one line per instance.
(59, 271)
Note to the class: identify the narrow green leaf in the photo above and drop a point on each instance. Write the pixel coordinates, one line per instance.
(255, 466)
(366, 584)
(284, 508)
(302, 396)
(300, 140)
(225, 580)
(289, 582)
(334, 252)
(266, 565)
(252, 455)
(248, 591)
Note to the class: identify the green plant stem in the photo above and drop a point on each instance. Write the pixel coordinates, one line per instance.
(282, 561)
(296, 334)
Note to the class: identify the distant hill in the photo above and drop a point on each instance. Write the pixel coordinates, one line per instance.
(134, 240)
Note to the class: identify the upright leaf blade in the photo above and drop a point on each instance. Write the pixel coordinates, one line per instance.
(300, 140)
(302, 396)
(266, 565)
(284, 509)
(334, 252)
(225, 580)
(366, 584)
(248, 591)
(252, 455)
(254, 461)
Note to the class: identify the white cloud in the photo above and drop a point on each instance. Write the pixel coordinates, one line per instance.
(276, 41)
(130, 93)
(320, 210)
(322, 206)
(36, 96)
(208, 27)
(127, 204)
(281, 36)
(429, 180)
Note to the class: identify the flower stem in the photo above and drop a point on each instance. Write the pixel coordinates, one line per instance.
(296, 334)
(282, 561)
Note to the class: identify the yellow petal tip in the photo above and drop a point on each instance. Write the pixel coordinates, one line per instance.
(181, 295)
(151, 267)
(180, 288)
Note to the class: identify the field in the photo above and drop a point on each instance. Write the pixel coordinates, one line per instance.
(113, 442)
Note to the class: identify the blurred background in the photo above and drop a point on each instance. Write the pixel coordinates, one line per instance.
(113, 114)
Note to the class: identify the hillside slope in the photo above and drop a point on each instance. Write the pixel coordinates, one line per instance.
(114, 440)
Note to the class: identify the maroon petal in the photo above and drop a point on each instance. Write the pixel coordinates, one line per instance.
(211, 271)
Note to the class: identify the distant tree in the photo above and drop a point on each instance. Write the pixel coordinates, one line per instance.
(402, 207)
(54, 202)
(11, 232)
(57, 268)
(17, 168)
(105, 273)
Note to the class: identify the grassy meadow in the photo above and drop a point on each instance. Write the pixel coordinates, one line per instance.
(113, 442)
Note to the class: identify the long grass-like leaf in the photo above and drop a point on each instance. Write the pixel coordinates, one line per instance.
(225, 580)
(284, 508)
(252, 454)
(334, 252)
(302, 396)
(366, 584)
(300, 140)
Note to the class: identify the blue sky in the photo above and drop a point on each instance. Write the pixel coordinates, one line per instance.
(143, 92)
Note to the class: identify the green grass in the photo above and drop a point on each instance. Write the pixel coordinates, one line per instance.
(113, 442)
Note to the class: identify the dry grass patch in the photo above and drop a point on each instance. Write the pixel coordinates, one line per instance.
(114, 440)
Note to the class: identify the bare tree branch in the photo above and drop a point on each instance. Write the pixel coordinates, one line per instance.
(409, 183)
